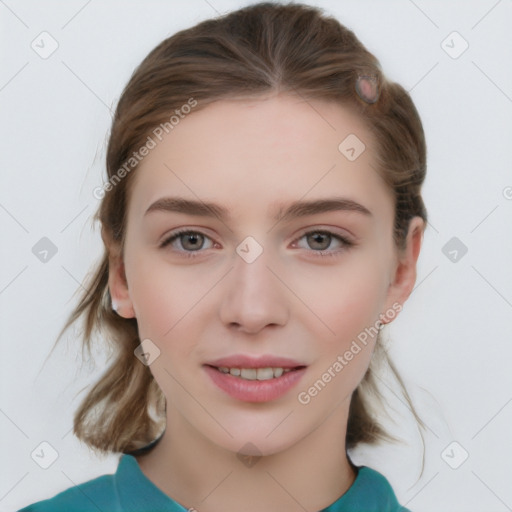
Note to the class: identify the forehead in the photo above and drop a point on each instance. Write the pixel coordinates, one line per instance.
(256, 151)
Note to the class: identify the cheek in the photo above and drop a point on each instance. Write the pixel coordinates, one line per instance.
(342, 299)
(347, 300)
(168, 299)
(159, 296)
(350, 309)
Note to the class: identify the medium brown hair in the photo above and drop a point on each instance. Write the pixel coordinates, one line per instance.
(262, 48)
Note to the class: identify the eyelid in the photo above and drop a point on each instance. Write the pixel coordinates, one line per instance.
(174, 235)
(347, 242)
(331, 230)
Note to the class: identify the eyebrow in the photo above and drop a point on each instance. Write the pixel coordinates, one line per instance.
(284, 213)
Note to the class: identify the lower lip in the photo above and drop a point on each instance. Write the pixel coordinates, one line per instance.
(255, 390)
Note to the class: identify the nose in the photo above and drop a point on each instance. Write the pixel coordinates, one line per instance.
(253, 297)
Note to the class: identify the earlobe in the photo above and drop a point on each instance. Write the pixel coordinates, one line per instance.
(404, 276)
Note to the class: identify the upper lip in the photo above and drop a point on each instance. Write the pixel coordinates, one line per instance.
(246, 361)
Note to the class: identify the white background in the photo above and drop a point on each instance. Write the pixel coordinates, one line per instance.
(451, 343)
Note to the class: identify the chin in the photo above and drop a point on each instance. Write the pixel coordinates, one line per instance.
(258, 446)
(264, 438)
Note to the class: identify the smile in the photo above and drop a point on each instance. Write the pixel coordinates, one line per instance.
(255, 384)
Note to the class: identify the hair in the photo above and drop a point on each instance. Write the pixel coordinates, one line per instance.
(259, 49)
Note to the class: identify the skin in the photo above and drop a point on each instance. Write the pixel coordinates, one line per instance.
(249, 155)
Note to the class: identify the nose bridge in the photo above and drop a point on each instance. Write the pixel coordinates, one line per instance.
(251, 268)
(254, 297)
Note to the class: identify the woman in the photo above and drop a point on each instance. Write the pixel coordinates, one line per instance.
(262, 220)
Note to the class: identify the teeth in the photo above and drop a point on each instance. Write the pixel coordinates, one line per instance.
(254, 373)
(249, 373)
(278, 372)
(265, 374)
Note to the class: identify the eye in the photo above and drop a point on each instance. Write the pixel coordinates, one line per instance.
(190, 241)
(320, 241)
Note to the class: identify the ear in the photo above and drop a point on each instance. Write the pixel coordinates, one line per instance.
(117, 283)
(404, 276)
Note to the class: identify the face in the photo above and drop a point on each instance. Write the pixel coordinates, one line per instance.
(256, 280)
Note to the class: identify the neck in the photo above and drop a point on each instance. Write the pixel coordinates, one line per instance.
(310, 475)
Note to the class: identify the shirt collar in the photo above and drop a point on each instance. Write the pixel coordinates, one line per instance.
(137, 493)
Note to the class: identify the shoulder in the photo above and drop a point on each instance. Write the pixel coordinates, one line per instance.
(96, 494)
(380, 485)
(372, 491)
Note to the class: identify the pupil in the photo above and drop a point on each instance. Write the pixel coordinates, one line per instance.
(325, 236)
(193, 238)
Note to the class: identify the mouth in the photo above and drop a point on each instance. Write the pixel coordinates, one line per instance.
(252, 379)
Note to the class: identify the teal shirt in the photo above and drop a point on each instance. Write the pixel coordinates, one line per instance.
(129, 490)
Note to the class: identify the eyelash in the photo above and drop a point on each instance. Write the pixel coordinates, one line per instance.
(321, 254)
